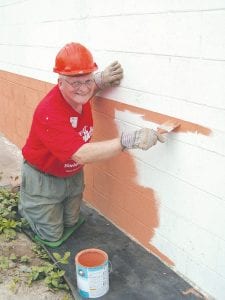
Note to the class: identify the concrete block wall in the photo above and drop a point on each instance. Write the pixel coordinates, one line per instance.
(170, 199)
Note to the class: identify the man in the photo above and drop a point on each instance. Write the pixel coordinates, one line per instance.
(58, 144)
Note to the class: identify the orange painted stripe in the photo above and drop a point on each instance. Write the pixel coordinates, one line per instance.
(108, 107)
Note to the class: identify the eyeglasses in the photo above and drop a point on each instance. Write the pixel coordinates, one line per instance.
(77, 84)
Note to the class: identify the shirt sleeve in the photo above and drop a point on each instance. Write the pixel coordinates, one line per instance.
(58, 137)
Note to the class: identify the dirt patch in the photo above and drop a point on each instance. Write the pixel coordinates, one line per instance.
(22, 246)
(10, 163)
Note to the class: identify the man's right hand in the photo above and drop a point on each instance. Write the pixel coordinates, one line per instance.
(143, 139)
(111, 76)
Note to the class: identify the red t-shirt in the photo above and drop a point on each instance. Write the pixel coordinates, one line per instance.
(57, 132)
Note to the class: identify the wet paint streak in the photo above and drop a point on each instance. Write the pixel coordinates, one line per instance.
(146, 220)
(132, 207)
(108, 107)
(114, 192)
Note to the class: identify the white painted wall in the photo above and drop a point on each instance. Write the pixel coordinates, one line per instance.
(173, 54)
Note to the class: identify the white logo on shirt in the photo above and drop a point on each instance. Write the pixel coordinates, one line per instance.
(73, 121)
(85, 133)
(71, 165)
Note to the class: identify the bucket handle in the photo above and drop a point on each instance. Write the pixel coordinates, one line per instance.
(110, 266)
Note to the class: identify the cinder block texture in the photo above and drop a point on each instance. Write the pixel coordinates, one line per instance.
(170, 198)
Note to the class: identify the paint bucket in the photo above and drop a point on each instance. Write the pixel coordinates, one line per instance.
(92, 273)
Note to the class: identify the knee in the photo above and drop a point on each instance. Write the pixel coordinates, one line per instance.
(69, 222)
(51, 234)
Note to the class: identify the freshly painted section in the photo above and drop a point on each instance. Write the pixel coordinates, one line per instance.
(171, 198)
(115, 180)
(154, 117)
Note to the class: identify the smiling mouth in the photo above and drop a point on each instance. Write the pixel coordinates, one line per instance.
(82, 94)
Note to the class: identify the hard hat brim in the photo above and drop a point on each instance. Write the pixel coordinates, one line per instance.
(80, 72)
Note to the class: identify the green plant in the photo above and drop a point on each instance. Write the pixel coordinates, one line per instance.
(8, 207)
(25, 259)
(8, 203)
(4, 262)
(66, 297)
(8, 234)
(13, 285)
(40, 252)
(55, 280)
(63, 260)
(13, 257)
(53, 277)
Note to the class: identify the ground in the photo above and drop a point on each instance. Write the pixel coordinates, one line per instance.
(14, 274)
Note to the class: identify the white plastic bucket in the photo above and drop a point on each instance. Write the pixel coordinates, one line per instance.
(92, 273)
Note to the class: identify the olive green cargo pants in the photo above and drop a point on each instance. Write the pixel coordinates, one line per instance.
(50, 203)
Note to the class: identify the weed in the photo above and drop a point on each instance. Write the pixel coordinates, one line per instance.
(40, 252)
(25, 259)
(8, 207)
(8, 203)
(4, 262)
(13, 257)
(59, 259)
(13, 285)
(66, 297)
(53, 277)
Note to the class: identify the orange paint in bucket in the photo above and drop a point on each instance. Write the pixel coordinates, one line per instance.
(92, 273)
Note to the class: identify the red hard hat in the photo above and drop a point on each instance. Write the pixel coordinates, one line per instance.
(74, 59)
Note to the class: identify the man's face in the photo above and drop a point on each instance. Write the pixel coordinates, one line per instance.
(77, 90)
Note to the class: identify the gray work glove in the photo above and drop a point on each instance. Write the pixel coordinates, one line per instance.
(111, 76)
(143, 139)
